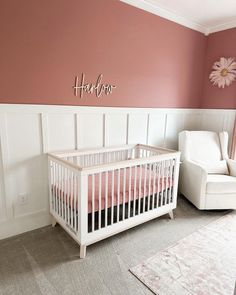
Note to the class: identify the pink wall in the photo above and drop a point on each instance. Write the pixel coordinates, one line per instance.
(44, 44)
(221, 44)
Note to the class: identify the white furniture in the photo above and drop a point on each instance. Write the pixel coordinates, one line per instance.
(97, 193)
(207, 175)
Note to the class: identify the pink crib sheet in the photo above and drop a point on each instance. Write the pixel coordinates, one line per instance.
(123, 192)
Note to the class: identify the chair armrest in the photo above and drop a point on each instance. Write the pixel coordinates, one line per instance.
(193, 179)
(232, 167)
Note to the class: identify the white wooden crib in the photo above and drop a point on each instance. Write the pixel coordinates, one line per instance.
(97, 193)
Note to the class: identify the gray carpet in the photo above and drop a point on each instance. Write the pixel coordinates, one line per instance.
(46, 261)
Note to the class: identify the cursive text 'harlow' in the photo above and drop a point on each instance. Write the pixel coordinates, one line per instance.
(98, 88)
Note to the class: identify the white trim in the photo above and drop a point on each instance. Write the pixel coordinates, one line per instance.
(142, 4)
(23, 224)
(167, 14)
(44, 131)
(65, 109)
(222, 27)
(7, 200)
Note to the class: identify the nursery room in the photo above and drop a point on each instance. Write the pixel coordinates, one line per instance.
(117, 147)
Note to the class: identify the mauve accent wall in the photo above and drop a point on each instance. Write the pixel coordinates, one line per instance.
(220, 44)
(154, 62)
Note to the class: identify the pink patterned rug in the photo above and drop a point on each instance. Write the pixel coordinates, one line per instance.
(203, 263)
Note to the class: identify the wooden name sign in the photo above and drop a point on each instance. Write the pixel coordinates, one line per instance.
(98, 88)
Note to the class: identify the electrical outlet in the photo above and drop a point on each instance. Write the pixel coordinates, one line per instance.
(23, 198)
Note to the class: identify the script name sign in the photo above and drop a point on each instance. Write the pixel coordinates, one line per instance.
(98, 87)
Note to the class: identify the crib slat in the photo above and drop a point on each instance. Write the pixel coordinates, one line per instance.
(118, 195)
(52, 187)
(140, 187)
(171, 180)
(154, 185)
(149, 185)
(106, 197)
(93, 197)
(56, 187)
(64, 193)
(78, 201)
(68, 195)
(60, 191)
(59, 185)
(75, 200)
(62, 199)
(135, 192)
(112, 196)
(167, 181)
(162, 182)
(99, 200)
(144, 187)
(71, 199)
(124, 193)
(158, 184)
(130, 178)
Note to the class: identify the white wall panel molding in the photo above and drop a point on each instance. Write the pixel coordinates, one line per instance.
(157, 129)
(115, 129)
(138, 124)
(28, 132)
(6, 201)
(44, 132)
(90, 130)
(23, 224)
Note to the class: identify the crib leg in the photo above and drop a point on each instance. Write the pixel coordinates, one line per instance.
(54, 222)
(82, 251)
(171, 214)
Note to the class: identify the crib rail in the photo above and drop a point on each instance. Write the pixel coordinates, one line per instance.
(83, 159)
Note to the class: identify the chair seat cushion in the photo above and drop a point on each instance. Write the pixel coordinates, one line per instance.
(221, 184)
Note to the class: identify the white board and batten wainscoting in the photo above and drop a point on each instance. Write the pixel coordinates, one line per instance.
(29, 132)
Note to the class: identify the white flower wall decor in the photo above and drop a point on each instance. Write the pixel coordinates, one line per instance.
(224, 72)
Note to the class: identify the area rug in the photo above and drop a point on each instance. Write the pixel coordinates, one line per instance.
(203, 263)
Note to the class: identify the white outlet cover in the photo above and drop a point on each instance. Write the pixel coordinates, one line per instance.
(23, 198)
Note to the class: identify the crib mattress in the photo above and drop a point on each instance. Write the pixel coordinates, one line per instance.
(122, 193)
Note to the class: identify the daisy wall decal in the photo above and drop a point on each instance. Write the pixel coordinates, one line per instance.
(224, 72)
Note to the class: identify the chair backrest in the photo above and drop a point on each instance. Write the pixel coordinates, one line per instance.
(203, 146)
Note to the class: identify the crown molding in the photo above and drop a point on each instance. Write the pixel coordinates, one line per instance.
(142, 4)
(222, 27)
(145, 5)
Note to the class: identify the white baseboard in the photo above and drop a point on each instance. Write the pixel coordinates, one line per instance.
(21, 225)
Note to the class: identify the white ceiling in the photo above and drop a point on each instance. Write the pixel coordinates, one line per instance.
(206, 16)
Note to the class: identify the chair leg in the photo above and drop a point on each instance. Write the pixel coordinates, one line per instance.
(54, 222)
(171, 214)
(82, 251)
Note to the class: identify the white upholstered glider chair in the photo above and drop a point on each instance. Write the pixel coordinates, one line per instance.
(207, 175)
